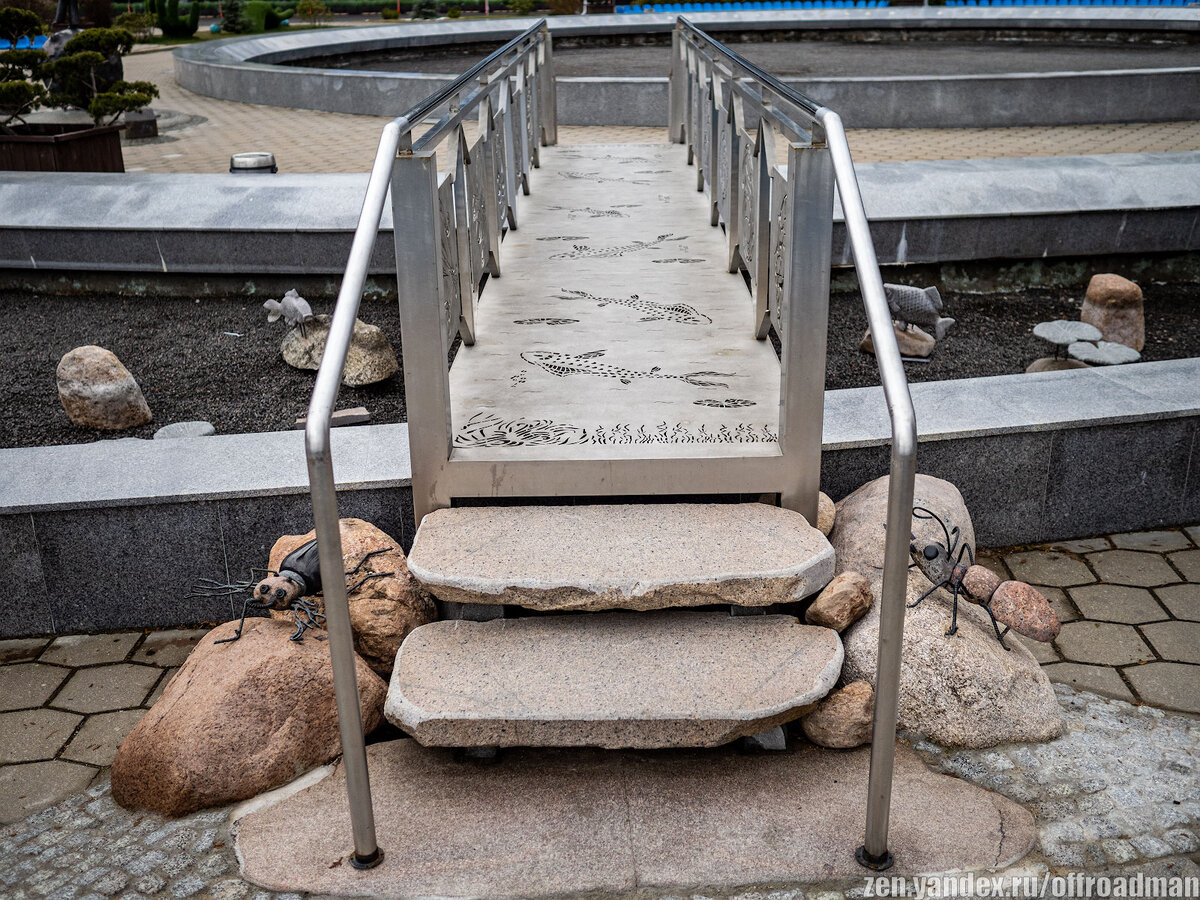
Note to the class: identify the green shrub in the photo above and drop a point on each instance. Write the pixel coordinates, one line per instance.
(234, 19)
(139, 24)
(521, 7)
(389, 12)
(425, 9)
(21, 92)
(453, 11)
(172, 24)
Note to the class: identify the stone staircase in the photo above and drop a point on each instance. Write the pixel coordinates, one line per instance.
(602, 675)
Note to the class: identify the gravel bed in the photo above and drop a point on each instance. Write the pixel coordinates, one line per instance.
(218, 359)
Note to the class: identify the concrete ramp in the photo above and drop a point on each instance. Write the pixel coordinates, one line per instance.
(551, 822)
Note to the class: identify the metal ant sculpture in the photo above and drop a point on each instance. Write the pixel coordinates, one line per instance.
(299, 576)
(1019, 606)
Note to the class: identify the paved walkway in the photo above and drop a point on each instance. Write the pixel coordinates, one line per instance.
(206, 132)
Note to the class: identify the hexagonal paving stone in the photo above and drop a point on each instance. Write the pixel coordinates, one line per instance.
(169, 648)
(1083, 545)
(90, 649)
(32, 786)
(1133, 567)
(1058, 602)
(28, 684)
(21, 649)
(160, 687)
(1175, 641)
(1116, 603)
(119, 686)
(34, 734)
(1183, 600)
(1048, 567)
(97, 741)
(1155, 541)
(1102, 644)
(1167, 684)
(1102, 680)
(1193, 531)
(1043, 653)
(1187, 562)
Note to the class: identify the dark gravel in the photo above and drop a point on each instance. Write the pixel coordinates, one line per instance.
(189, 368)
(178, 351)
(993, 334)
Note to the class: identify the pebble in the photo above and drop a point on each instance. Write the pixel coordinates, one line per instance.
(197, 428)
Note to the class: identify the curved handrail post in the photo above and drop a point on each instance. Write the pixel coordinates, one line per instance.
(874, 853)
(324, 496)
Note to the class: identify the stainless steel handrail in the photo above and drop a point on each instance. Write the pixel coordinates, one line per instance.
(873, 853)
(367, 853)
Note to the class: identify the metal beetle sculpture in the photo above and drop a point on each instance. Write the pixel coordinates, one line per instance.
(299, 576)
(1019, 606)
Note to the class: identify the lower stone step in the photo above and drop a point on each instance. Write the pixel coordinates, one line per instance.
(639, 680)
(634, 556)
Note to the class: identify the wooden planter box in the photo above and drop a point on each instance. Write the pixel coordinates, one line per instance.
(45, 147)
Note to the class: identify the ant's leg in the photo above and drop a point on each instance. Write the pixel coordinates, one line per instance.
(953, 629)
(927, 593)
(996, 628)
(966, 548)
(367, 556)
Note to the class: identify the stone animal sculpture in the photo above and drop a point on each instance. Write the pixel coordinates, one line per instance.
(918, 306)
(293, 309)
(299, 576)
(1018, 605)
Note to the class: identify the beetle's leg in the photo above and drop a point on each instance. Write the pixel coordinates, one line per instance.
(210, 587)
(927, 593)
(367, 556)
(237, 634)
(365, 579)
(996, 628)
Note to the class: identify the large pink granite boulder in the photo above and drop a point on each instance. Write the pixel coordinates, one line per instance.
(238, 719)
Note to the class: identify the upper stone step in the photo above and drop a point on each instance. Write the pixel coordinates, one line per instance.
(638, 556)
(644, 680)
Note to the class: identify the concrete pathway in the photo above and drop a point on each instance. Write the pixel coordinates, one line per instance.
(202, 133)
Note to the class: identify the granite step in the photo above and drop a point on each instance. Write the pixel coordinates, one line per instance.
(632, 556)
(673, 678)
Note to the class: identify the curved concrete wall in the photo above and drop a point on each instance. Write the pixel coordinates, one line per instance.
(249, 70)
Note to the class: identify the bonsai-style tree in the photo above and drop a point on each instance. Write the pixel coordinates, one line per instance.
(20, 91)
(88, 76)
